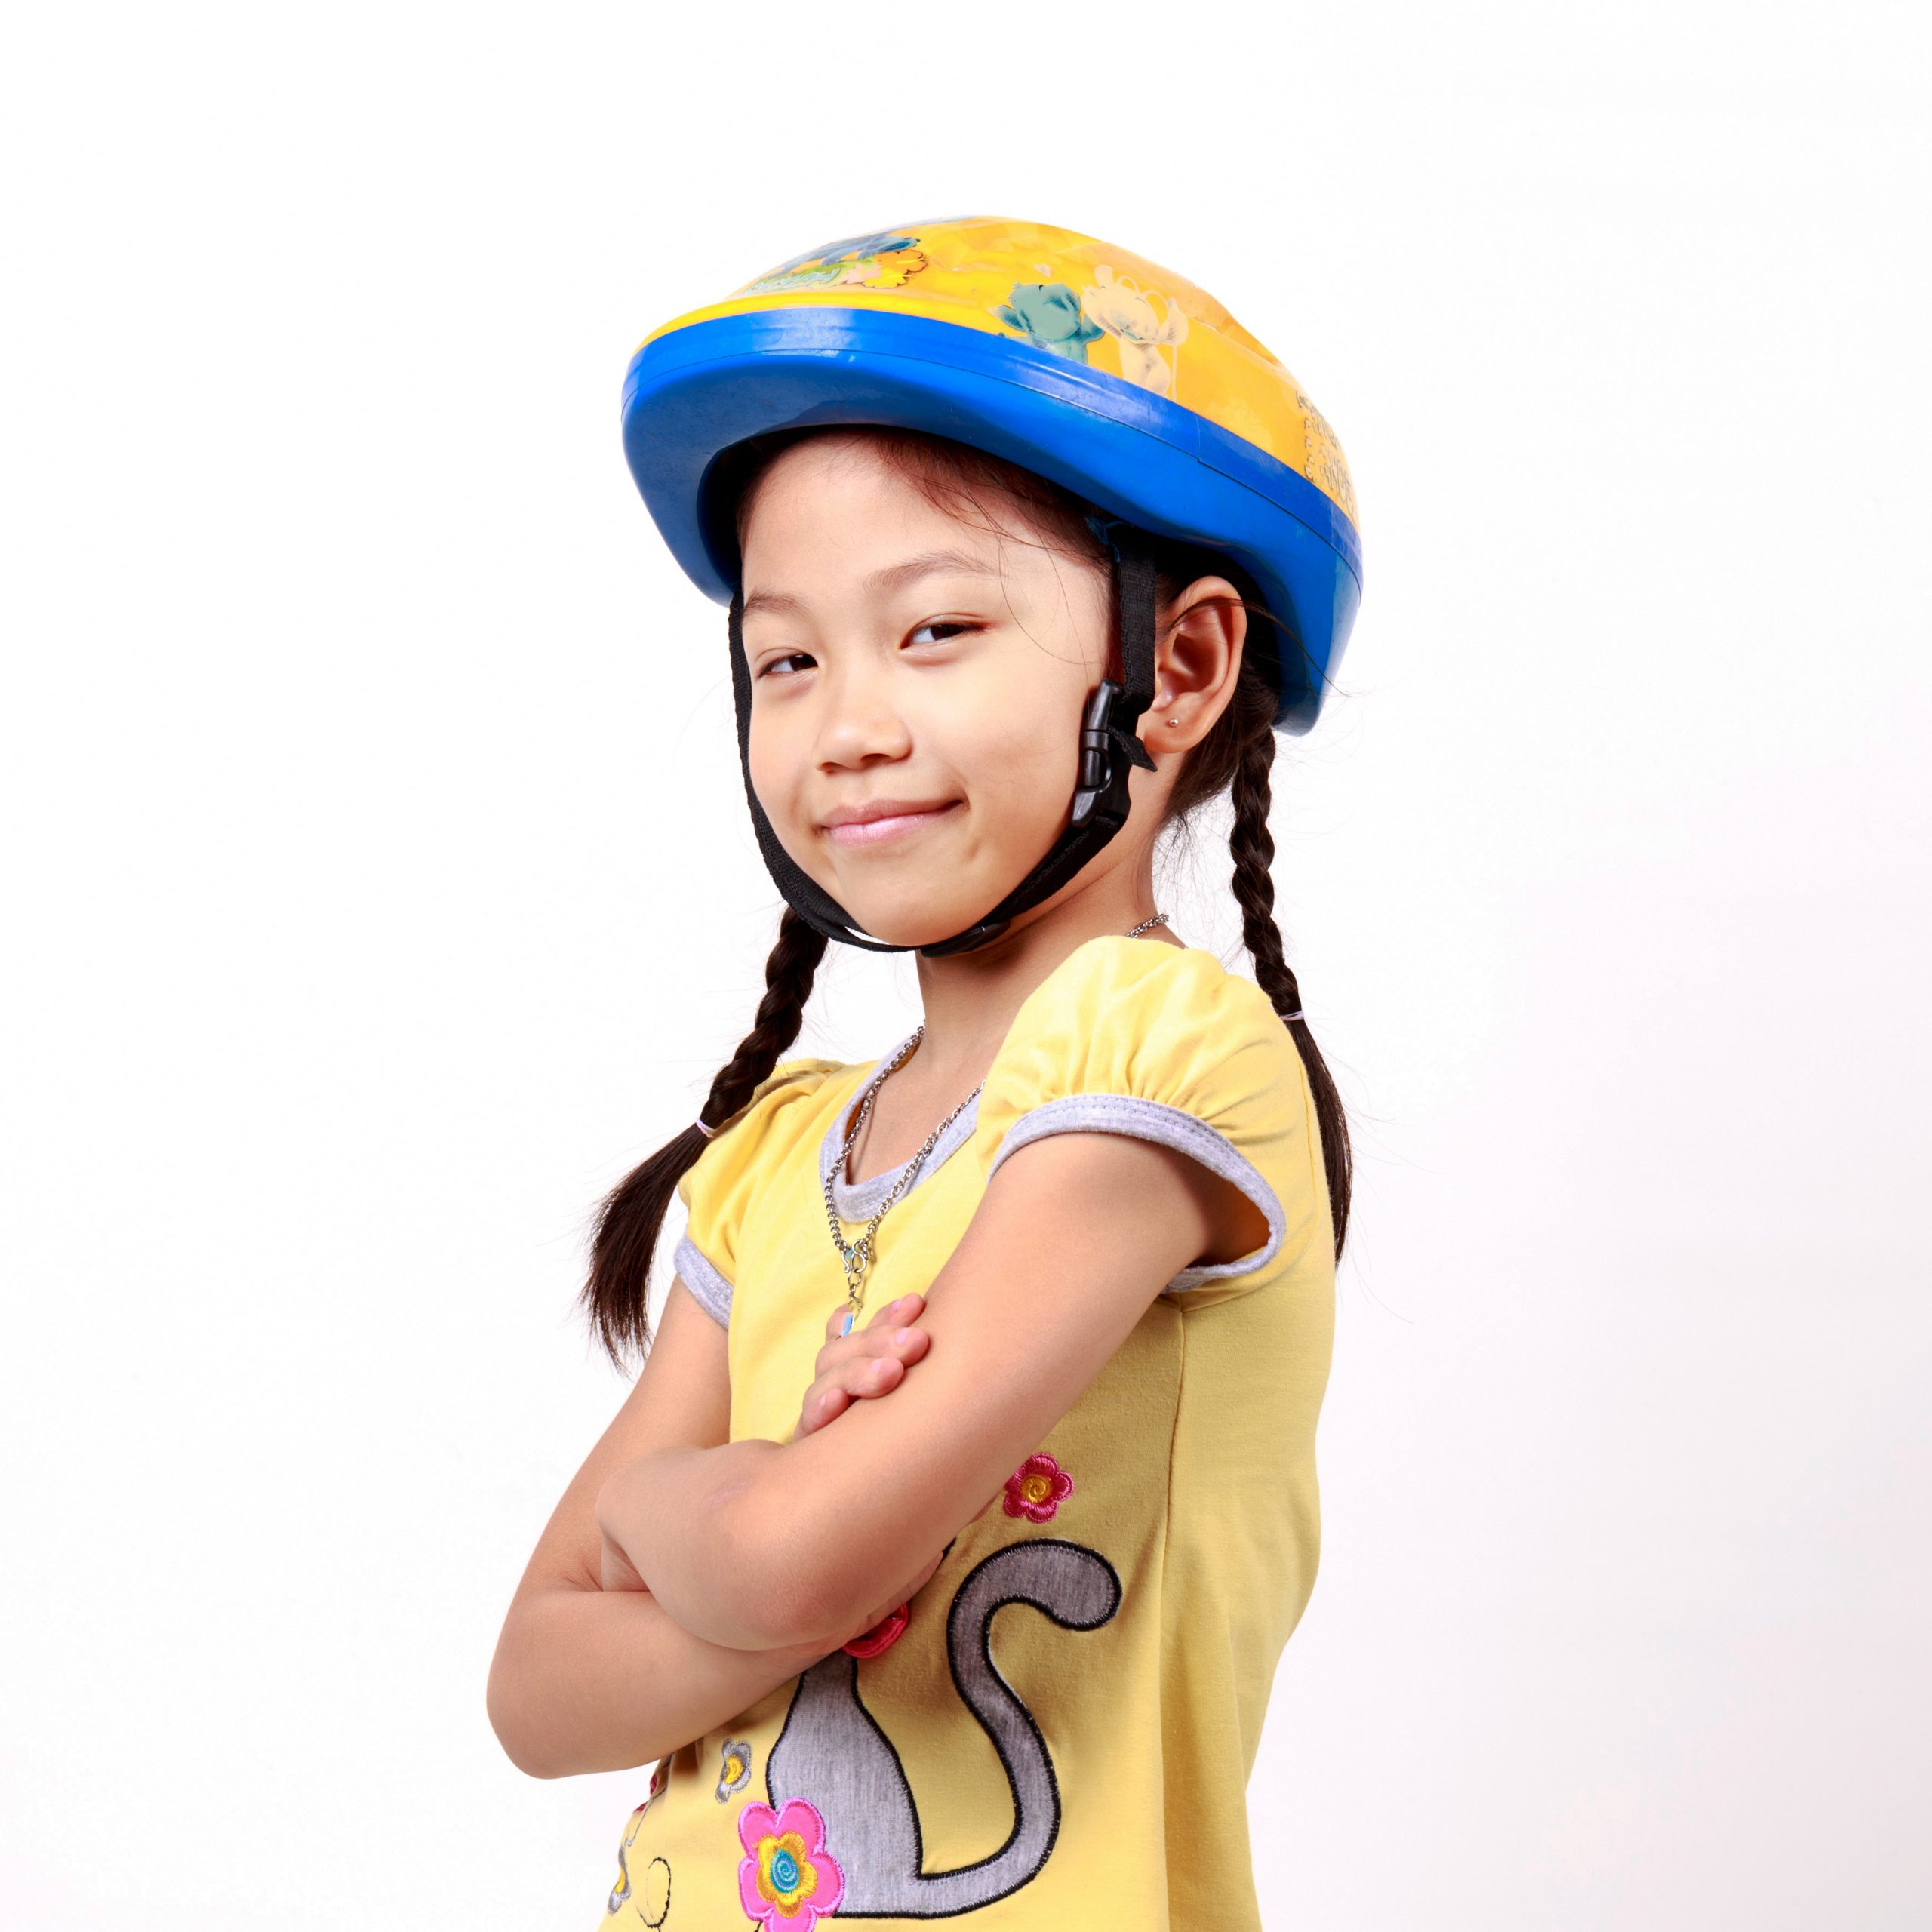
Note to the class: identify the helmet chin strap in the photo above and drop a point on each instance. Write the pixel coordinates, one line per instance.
(1109, 746)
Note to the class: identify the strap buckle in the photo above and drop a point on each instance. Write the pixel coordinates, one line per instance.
(1101, 795)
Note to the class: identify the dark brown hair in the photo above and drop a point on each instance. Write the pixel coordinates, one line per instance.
(1235, 756)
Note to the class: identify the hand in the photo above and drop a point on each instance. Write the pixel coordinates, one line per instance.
(903, 1595)
(870, 1360)
(616, 1571)
(899, 1600)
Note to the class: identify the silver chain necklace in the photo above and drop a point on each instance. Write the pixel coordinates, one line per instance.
(857, 1257)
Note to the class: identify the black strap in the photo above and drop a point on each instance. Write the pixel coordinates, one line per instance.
(1108, 746)
(810, 900)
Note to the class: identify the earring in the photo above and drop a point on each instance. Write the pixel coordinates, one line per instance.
(1174, 721)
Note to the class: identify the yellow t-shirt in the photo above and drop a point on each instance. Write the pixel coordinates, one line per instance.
(1059, 1734)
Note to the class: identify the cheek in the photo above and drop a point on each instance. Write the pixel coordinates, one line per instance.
(1020, 749)
(775, 766)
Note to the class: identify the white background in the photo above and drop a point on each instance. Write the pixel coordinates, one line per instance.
(378, 891)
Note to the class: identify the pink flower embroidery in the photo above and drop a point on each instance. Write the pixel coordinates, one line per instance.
(883, 1635)
(1037, 1488)
(787, 1881)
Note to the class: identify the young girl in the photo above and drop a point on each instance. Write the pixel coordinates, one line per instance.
(945, 1549)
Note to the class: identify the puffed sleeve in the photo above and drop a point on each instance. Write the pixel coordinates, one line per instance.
(718, 1189)
(1164, 1043)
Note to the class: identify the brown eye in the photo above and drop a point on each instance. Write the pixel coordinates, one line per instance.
(777, 664)
(939, 624)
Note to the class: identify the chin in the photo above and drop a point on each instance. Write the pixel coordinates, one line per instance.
(914, 919)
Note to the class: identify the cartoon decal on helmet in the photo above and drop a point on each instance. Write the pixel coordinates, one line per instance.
(1053, 349)
(1048, 314)
(1052, 315)
(1127, 313)
(866, 261)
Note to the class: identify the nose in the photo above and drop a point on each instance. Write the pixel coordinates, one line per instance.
(860, 724)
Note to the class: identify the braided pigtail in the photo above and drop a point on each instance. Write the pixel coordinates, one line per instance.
(1253, 847)
(627, 1222)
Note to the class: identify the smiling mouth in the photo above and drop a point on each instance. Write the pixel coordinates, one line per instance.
(883, 828)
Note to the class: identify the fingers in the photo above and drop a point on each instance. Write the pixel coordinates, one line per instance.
(853, 1380)
(883, 1337)
(871, 1361)
(821, 1405)
(901, 1596)
(906, 1309)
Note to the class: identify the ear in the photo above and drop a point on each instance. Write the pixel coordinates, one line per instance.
(1196, 664)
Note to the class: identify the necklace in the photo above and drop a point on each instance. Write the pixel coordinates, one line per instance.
(856, 1257)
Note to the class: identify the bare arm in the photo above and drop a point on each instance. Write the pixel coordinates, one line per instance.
(591, 1678)
(759, 1543)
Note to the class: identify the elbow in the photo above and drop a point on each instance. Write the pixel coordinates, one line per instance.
(529, 1751)
(512, 1713)
(784, 1593)
(506, 1711)
(517, 1749)
(782, 1568)
(792, 1620)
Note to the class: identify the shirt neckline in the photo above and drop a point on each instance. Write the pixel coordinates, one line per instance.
(860, 1201)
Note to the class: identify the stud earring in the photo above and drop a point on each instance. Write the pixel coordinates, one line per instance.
(1174, 721)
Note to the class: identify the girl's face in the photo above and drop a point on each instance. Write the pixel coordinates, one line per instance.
(917, 685)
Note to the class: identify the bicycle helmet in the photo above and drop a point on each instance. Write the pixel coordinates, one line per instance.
(1107, 374)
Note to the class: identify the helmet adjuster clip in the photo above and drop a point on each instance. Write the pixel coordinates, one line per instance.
(1108, 749)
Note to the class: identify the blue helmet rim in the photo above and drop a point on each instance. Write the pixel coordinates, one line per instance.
(695, 391)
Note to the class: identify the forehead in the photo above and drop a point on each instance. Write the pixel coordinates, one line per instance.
(843, 491)
(833, 515)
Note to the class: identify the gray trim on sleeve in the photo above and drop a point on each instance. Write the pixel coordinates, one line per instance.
(1169, 1127)
(709, 1288)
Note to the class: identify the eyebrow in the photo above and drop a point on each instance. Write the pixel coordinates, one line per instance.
(892, 577)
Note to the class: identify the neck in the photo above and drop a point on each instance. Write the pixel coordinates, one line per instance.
(970, 999)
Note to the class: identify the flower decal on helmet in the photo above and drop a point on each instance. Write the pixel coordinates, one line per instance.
(1048, 314)
(1037, 1488)
(787, 1881)
(886, 260)
(1126, 313)
(734, 1768)
(881, 241)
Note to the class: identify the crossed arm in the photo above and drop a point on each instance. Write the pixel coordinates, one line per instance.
(737, 1564)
